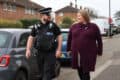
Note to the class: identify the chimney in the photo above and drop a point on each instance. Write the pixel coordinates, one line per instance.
(71, 4)
(88, 10)
(80, 7)
(84, 8)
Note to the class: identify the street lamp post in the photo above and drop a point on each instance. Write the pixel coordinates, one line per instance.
(110, 20)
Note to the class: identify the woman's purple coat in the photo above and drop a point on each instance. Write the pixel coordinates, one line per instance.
(86, 40)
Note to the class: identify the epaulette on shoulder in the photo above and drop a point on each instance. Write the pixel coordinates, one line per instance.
(51, 24)
(36, 26)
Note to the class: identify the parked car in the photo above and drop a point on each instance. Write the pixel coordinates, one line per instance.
(13, 63)
(117, 22)
(114, 28)
(65, 56)
(103, 25)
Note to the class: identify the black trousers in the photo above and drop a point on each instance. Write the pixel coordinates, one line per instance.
(83, 75)
(46, 63)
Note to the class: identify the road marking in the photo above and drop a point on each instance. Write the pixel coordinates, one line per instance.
(101, 69)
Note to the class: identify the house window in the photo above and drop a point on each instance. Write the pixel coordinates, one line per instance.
(61, 14)
(27, 11)
(30, 11)
(14, 8)
(9, 7)
(33, 11)
(5, 6)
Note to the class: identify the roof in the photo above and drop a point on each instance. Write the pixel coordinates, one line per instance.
(67, 9)
(23, 3)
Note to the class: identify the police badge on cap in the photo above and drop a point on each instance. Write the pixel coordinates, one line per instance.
(46, 11)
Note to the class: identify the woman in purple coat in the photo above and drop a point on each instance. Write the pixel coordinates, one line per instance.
(85, 42)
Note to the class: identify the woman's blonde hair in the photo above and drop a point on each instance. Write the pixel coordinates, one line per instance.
(85, 15)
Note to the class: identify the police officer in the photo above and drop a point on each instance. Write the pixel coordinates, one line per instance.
(46, 59)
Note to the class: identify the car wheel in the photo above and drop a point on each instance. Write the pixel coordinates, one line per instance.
(21, 76)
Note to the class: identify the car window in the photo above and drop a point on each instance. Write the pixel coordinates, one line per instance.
(65, 36)
(23, 40)
(5, 38)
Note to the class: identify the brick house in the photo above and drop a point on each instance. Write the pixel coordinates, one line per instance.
(68, 11)
(19, 9)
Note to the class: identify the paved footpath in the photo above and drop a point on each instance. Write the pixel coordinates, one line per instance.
(112, 72)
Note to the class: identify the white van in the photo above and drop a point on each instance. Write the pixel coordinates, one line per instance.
(103, 25)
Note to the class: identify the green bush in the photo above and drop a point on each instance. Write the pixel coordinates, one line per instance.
(66, 22)
(64, 25)
(28, 22)
(10, 24)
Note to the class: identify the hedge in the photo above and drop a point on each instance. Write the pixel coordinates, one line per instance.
(10, 24)
(66, 22)
(64, 25)
(28, 22)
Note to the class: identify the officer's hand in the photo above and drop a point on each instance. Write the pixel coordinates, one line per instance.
(28, 53)
(58, 54)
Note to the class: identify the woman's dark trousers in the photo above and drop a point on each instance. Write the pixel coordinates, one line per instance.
(83, 75)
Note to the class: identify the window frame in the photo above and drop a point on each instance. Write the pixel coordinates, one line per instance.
(21, 38)
(61, 14)
(9, 7)
(66, 33)
(30, 11)
(5, 6)
(9, 37)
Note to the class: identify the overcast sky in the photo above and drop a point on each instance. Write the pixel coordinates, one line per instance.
(101, 6)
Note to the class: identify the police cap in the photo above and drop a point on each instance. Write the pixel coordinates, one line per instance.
(46, 11)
